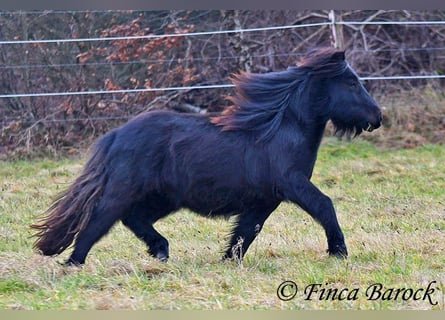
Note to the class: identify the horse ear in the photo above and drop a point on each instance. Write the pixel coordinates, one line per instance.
(338, 56)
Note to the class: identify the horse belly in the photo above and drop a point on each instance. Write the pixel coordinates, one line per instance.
(226, 202)
(222, 202)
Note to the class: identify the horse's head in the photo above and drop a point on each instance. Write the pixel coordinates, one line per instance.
(348, 104)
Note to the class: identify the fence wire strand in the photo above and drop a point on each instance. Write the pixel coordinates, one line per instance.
(205, 33)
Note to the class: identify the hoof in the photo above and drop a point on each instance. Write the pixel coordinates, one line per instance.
(159, 249)
(162, 257)
(230, 258)
(71, 263)
(339, 251)
(339, 255)
(226, 258)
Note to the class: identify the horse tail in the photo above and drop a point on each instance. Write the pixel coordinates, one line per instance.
(72, 209)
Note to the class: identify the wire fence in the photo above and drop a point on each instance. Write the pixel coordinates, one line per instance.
(146, 61)
(214, 86)
(216, 32)
(193, 34)
(171, 35)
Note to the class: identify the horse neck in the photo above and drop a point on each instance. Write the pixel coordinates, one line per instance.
(310, 125)
(302, 139)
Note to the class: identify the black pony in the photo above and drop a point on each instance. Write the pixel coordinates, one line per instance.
(244, 162)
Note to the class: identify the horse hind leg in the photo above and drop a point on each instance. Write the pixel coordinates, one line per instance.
(104, 217)
(140, 223)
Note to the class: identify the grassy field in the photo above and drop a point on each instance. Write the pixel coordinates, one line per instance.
(390, 204)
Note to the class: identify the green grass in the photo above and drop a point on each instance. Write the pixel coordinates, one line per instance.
(390, 204)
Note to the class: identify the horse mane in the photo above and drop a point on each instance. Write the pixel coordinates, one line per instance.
(260, 100)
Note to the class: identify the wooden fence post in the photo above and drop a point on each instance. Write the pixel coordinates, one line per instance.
(337, 30)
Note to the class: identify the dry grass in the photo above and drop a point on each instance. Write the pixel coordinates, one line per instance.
(412, 118)
(390, 205)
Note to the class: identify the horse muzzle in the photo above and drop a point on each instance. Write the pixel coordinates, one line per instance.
(372, 126)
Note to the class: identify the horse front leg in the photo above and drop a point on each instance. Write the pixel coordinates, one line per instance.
(247, 227)
(306, 195)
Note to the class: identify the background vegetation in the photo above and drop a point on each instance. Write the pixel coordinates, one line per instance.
(63, 124)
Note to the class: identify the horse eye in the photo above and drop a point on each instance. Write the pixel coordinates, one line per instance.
(353, 85)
